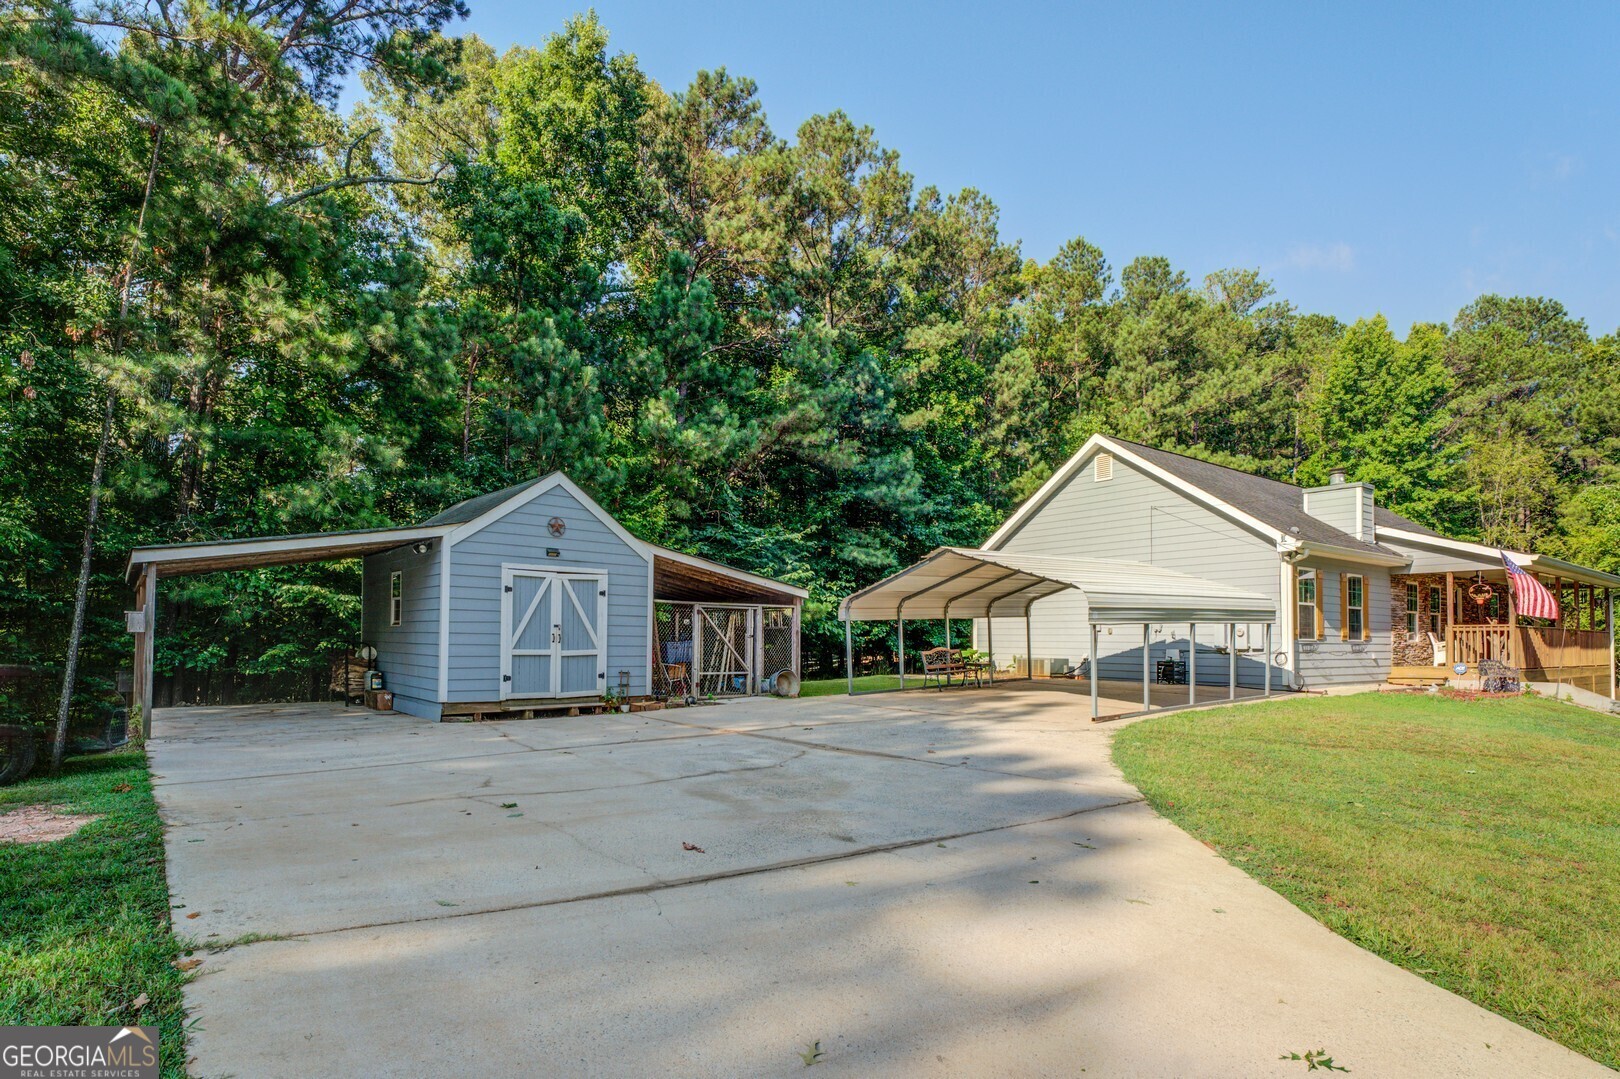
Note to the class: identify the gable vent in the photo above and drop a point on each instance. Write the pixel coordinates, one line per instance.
(1102, 467)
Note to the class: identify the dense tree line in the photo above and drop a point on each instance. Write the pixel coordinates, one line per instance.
(228, 307)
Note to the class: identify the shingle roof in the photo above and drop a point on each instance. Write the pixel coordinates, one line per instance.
(1281, 505)
(470, 509)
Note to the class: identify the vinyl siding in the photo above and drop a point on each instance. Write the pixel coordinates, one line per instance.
(407, 654)
(1137, 518)
(1335, 662)
(520, 538)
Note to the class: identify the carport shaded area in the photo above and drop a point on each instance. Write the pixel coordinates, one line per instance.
(962, 582)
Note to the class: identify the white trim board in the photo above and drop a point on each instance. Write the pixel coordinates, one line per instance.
(550, 483)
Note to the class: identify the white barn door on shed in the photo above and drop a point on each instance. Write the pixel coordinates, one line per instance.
(554, 633)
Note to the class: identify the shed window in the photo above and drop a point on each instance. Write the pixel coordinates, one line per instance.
(1309, 609)
(1102, 467)
(1412, 610)
(396, 597)
(1355, 607)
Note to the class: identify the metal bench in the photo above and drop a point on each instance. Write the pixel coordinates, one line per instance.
(943, 664)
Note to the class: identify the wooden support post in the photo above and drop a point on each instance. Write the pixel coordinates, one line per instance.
(1558, 595)
(1608, 600)
(694, 675)
(1147, 659)
(1192, 662)
(1095, 678)
(756, 618)
(148, 648)
(1512, 657)
(798, 619)
(138, 662)
(1231, 661)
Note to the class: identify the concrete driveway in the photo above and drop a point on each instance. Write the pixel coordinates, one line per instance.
(925, 884)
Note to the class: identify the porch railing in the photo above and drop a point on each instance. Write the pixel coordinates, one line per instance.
(1549, 648)
(1475, 644)
(1528, 647)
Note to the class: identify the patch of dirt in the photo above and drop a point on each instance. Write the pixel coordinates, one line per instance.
(40, 824)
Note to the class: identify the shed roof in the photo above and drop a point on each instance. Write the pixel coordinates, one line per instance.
(974, 583)
(676, 575)
(209, 556)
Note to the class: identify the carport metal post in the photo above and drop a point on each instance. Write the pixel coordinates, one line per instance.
(849, 655)
(900, 640)
(1268, 660)
(1192, 662)
(1029, 643)
(1094, 703)
(990, 639)
(1231, 661)
(1147, 687)
(990, 621)
(899, 609)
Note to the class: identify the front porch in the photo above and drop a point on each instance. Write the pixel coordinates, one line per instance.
(1441, 620)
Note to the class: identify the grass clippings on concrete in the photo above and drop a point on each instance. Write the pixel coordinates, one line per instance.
(1476, 843)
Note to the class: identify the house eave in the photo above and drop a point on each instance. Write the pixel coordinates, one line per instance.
(1529, 560)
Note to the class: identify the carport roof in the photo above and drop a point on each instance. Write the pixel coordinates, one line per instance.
(976, 583)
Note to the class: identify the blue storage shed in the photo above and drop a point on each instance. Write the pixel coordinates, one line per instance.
(524, 599)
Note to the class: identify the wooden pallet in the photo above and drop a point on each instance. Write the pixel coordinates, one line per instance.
(480, 711)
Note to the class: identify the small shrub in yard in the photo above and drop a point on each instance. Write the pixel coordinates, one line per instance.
(84, 921)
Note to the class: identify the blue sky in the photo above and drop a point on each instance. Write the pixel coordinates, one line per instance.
(1397, 158)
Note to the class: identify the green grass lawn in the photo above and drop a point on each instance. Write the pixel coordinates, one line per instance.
(84, 921)
(826, 687)
(1476, 843)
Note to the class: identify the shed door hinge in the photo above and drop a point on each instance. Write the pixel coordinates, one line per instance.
(509, 588)
(506, 678)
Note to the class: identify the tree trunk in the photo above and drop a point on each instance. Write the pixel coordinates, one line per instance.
(70, 668)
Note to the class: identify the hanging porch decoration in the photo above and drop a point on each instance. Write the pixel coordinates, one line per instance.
(1480, 590)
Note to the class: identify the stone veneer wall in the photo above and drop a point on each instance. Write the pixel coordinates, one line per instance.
(1416, 651)
(1407, 650)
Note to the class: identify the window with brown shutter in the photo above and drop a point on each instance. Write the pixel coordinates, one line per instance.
(1308, 612)
(1353, 593)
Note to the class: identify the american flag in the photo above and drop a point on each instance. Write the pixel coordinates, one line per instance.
(1531, 596)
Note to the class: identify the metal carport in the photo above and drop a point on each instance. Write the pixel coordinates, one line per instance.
(964, 582)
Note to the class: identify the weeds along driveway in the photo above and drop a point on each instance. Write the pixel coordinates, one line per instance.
(923, 883)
